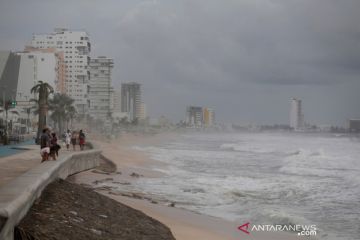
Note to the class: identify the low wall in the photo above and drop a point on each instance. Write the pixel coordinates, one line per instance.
(17, 197)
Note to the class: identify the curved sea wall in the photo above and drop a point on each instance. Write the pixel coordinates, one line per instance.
(17, 197)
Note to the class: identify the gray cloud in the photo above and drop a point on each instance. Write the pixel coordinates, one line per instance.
(244, 58)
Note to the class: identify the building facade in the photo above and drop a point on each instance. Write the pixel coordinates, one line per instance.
(9, 75)
(76, 48)
(36, 66)
(354, 125)
(100, 88)
(194, 116)
(209, 117)
(131, 100)
(60, 68)
(296, 114)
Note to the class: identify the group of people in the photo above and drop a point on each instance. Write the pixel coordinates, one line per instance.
(49, 147)
(73, 138)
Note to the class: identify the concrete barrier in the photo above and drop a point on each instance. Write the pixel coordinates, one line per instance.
(17, 197)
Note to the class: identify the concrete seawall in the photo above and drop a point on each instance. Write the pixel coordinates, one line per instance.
(17, 197)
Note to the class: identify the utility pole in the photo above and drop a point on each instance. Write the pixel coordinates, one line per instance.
(6, 107)
(6, 137)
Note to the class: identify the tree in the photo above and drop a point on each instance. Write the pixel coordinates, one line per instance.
(43, 90)
(70, 115)
(62, 109)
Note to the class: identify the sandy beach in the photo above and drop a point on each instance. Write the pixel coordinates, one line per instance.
(132, 165)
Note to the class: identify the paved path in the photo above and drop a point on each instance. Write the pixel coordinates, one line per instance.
(17, 164)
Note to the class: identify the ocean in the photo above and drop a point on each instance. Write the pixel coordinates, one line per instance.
(263, 178)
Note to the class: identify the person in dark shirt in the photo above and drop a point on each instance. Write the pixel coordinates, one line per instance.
(54, 146)
(45, 145)
(81, 139)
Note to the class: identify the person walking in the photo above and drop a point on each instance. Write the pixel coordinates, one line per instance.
(45, 144)
(73, 140)
(67, 139)
(81, 139)
(54, 146)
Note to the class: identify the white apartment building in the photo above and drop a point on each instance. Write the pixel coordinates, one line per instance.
(296, 115)
(100, 87)
(34, 67)
(76, 48)
(194, 116)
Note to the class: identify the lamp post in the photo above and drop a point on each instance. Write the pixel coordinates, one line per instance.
(28, 111)
(6, 107)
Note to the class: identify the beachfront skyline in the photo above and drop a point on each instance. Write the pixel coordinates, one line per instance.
(244, 58)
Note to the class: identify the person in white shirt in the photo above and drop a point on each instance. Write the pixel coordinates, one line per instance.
(67, 139)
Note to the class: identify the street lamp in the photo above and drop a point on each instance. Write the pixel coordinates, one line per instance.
(6, 115)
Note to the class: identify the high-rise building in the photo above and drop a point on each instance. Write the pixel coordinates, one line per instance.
(194, 116)
(43, 71)
(36, 66)
(76, 48)
(22, 70)
(131, 100)
(354, 125)
(117, 101)
(296, 115)
(9, 75)
(19, 72)
(100, 87)
(209, 117)
(142, 111)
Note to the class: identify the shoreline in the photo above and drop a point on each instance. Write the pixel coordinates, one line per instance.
(132, 164)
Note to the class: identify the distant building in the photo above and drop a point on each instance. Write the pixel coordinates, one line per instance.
(20, 71)
(76, 48)
(116, 103)
(100, 87)
(194, 116)
(42, 61)
(9, 75)
(209, 117)
(131, 100)
(296, 115)
(354, 125)
(142, 111)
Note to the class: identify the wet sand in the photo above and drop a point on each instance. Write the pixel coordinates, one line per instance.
(184, 224)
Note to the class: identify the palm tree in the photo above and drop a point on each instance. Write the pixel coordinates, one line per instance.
(62, 109)
(70, 115)
(43, 90)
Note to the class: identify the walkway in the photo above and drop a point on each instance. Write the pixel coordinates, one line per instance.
(17, 164)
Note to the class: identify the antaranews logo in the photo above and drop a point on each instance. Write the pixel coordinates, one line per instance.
(301, 230)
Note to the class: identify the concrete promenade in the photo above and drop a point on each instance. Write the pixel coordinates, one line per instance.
(15, 165)
(23, 179)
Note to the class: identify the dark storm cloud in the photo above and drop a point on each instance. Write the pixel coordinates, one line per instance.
(245, 58)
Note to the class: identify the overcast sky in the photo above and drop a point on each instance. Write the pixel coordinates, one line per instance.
(244, 58)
